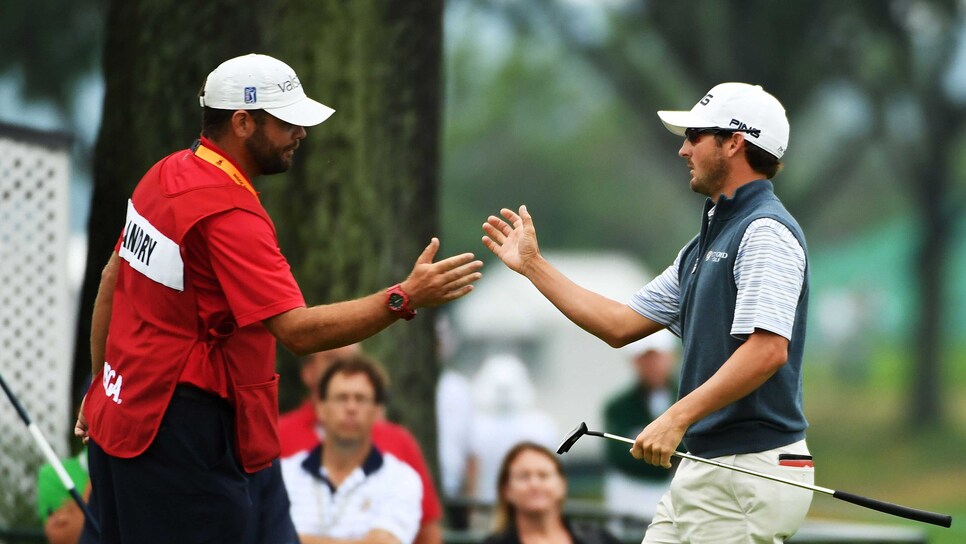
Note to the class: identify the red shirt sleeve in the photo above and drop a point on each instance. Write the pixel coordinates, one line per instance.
(252, 272)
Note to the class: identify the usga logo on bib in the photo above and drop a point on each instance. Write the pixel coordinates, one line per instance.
(112, 383)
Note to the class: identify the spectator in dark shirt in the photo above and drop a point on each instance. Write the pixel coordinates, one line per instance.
(630, 486)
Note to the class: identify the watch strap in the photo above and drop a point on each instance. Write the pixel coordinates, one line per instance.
(398, 302)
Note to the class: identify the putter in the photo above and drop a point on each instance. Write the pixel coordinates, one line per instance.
(924, 516)
(50, 455)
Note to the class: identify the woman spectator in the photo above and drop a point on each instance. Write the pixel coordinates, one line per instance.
(530, 494)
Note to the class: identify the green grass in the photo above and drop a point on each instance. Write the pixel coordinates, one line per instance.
(864, 443)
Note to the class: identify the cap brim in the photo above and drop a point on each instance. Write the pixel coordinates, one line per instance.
(304, 113)
(679, 121)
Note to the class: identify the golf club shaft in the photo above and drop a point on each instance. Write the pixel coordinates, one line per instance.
(886, 507)
(735, 468)
(49, 455)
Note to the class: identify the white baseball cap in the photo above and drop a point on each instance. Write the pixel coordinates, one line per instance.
(260, 82)
(736, 106)
(662, 340)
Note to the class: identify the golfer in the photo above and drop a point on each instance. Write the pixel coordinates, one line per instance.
(184, 402)
(737, 296)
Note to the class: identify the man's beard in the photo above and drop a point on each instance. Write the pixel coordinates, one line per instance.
(713, 179)
(268, 159)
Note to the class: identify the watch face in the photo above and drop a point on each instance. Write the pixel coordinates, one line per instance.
(396, 301)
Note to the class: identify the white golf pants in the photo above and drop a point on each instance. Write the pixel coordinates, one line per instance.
(711, 505)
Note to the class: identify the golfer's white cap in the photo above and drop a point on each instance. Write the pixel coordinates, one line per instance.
(260, 82)
(737, 106)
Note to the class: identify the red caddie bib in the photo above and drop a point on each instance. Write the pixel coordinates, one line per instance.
(155, 328)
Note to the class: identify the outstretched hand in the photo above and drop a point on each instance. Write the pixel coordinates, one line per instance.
(514, 241)
(432, 284)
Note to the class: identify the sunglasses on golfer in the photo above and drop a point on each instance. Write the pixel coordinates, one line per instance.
(695, 134)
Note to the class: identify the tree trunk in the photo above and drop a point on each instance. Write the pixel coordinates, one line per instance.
(918, 78)
(152, 77)
(931, 266)
(360, 203)
(926, 391)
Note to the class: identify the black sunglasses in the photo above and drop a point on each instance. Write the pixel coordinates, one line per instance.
(694, 134)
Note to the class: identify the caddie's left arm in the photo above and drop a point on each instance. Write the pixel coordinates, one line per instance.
(100, 323)
(750, 366)
(101, 316)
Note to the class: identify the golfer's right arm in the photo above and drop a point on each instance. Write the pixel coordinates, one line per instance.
(611, 321)
(514, 241)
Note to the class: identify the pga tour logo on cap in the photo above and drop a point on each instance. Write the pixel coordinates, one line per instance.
(252, 82)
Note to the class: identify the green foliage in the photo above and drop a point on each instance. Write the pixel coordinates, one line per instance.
(571, 151)
(51, 45)
(568, 92)
(836, 66)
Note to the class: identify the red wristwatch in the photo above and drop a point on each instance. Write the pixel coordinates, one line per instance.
(398, 302)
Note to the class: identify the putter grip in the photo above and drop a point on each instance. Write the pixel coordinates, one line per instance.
(896, 510)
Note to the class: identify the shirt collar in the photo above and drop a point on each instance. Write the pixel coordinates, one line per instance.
(725, 207)
(313, 464)
(205, 141)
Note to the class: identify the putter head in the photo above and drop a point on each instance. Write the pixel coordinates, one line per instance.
(572, 438)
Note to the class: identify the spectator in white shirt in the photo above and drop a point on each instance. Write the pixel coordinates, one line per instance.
(347, 490)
